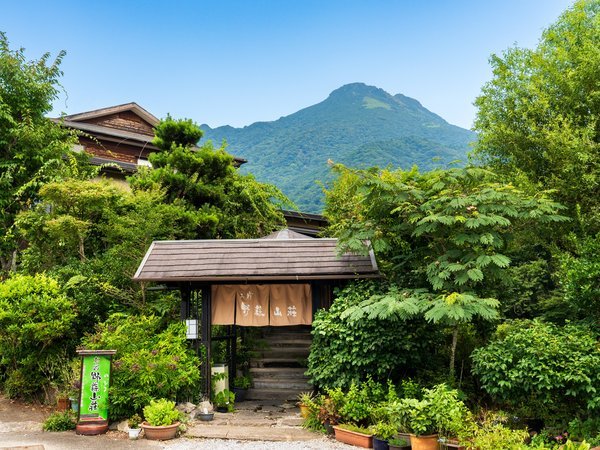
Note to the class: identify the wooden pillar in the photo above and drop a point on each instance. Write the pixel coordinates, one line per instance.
(185, 302)
(232, 368)
(206, 339)
(315, 289)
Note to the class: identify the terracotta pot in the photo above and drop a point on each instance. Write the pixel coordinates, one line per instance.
(92, 427)
(353, 438)
(304, 411)
(429, 442)
(163, 433)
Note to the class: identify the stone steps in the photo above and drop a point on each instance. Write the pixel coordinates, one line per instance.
(283, 352)
(281, 394)
(277, 370)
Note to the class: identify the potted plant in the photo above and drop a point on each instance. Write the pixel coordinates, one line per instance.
(162, 420)
(328, 414)
(305, 399)
(421, 424)
(224, 401)
(383, 432)
(398, 443)
(241, 386)
(134, 426)
(354, 435)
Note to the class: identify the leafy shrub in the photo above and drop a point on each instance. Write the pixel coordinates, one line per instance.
(35, 327)
(152, 361)
(580, 277)
(543, 370)
(343, 351)
(161, 413)
(492, 435)
(588, 430)
(225, 399)
(134, 421)
(60, 421)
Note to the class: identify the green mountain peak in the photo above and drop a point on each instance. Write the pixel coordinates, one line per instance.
(358, 125)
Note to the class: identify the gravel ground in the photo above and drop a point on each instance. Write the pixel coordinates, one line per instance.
(226, 444)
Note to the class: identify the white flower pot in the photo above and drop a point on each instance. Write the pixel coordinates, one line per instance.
(134, 433)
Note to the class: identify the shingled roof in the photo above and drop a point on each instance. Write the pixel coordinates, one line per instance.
(252, 260)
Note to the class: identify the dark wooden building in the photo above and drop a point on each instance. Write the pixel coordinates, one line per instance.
(118, 135)
(276, 281)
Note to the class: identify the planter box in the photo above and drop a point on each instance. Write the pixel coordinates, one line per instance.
(353, 438)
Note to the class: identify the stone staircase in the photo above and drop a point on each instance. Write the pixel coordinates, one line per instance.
(278, 369)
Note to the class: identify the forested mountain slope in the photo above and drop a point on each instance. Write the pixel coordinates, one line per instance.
(357, 125)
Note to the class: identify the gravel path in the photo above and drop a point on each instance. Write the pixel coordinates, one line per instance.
(227, 444)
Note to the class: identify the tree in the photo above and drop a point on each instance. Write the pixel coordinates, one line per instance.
(232, 205)
(442, 237)
(32, 147)
(35, 333)
(539, 117)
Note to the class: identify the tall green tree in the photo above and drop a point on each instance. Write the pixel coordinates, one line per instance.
(442, 237)
(539, 117)
(32, 147)
(232, 205)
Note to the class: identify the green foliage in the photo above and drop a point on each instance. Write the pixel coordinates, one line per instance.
(134, 421)
(580, 277)
(344, 351)
(492, 434)
(243, 382)
(384, 431)
(33, 149)
(439, 411)
(588, 430)
(227, 204)
(225, 399)
(346, 129)
(170, 133)
(440, 235)
(544, 370)
(35, 328)
(60, 421)
(538, 118)
(152, 361)
(355, 428)
(160, 413)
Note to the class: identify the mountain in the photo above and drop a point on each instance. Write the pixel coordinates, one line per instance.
(357, 125)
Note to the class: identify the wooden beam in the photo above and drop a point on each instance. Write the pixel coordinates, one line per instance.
(206, 325)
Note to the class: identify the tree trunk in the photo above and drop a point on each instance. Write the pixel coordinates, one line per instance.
(9, 264)
(453, 351)
(81, 249)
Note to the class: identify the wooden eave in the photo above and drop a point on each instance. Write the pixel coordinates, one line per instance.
(122, 136)
(132, 106)
(252, 260)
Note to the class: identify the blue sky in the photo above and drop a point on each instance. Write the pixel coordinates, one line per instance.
(238, 62)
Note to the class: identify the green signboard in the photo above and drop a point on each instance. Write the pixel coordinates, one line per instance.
(95, 381)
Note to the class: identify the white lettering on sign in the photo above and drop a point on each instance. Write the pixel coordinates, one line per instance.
(245, 309)
(291, 311)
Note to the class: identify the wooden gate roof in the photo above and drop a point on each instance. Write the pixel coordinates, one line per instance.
(252, 260)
